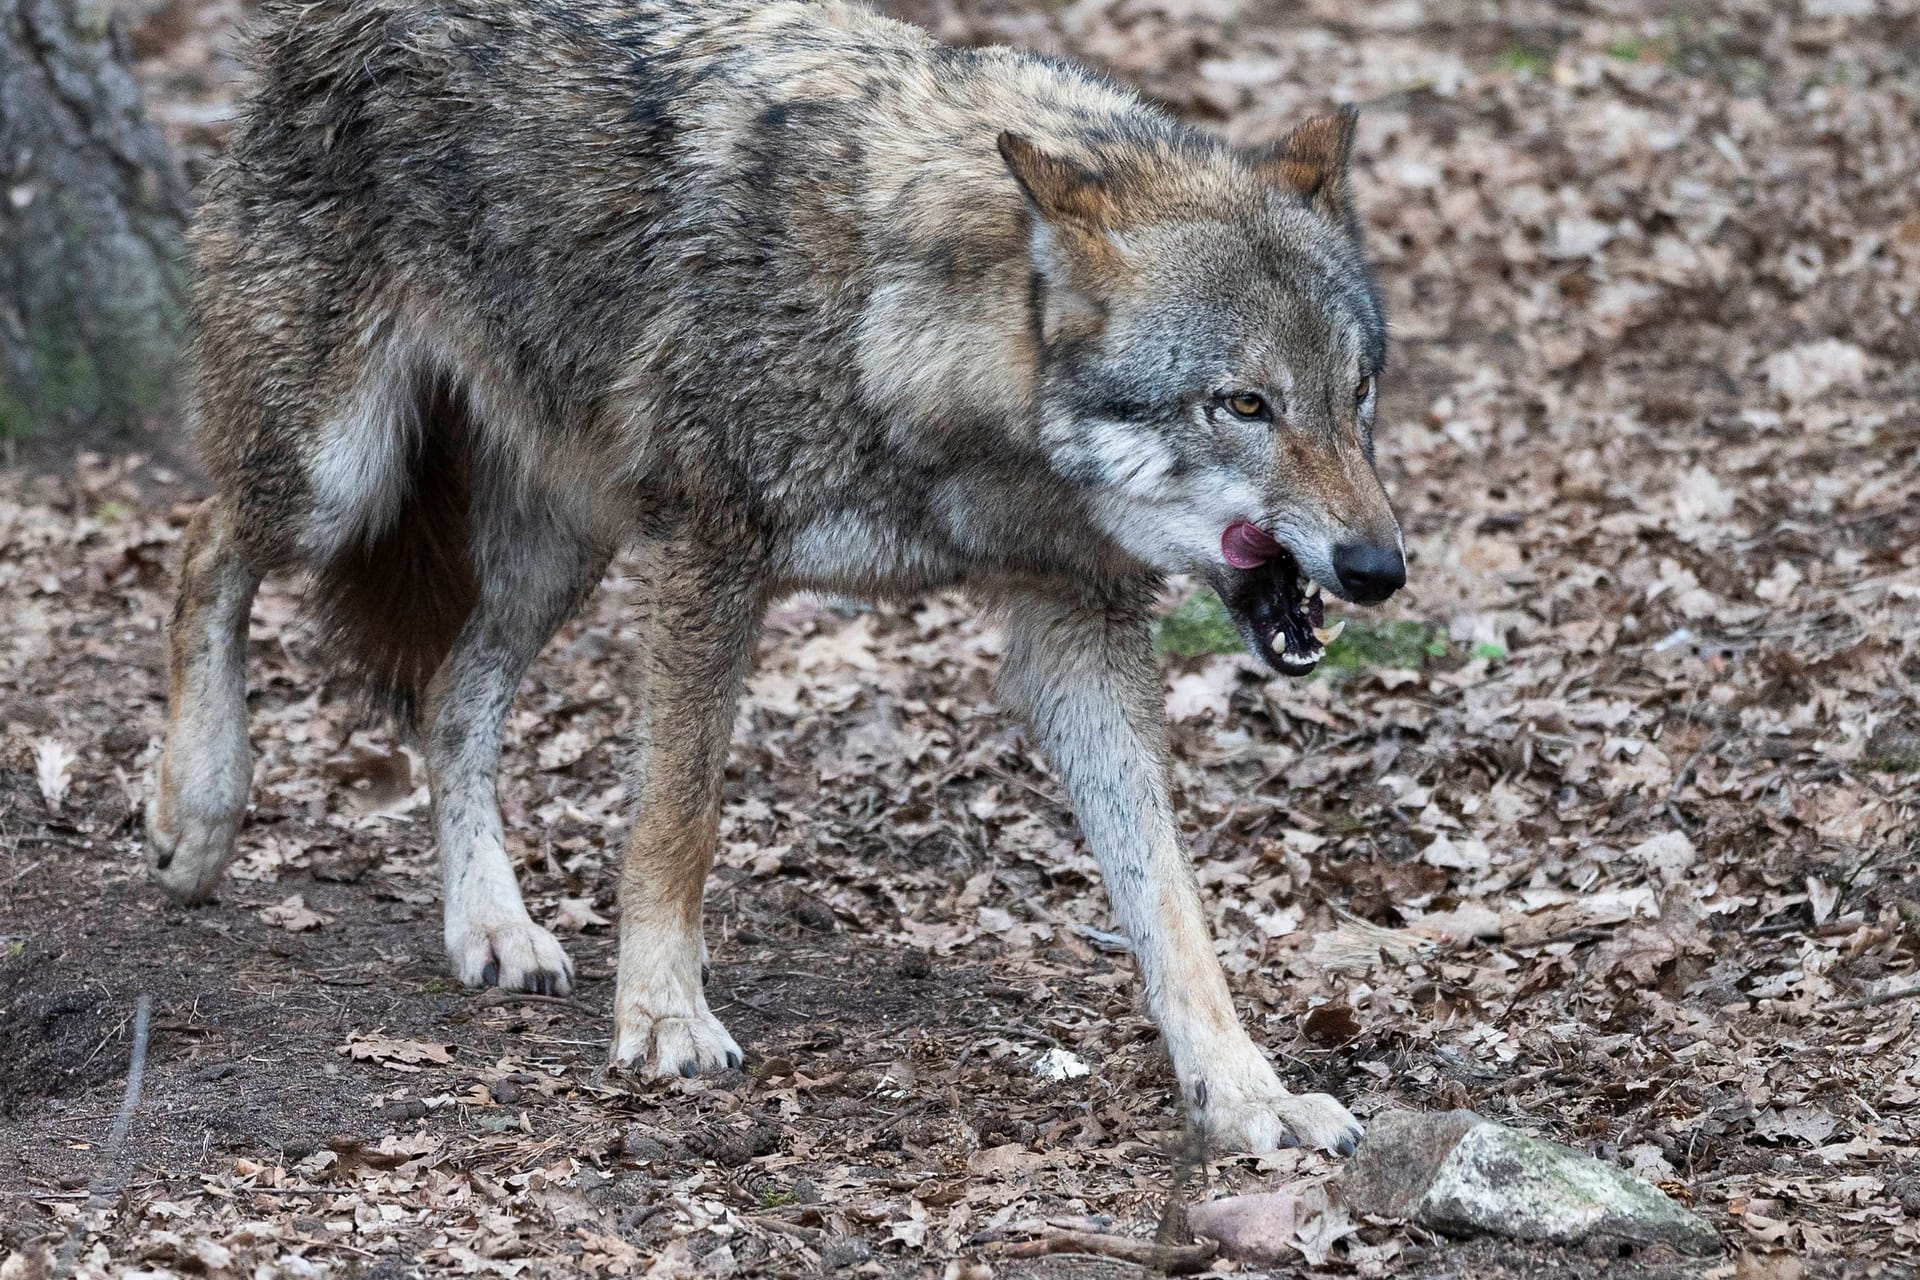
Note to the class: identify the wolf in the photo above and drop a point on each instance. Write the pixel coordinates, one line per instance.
(778, 296)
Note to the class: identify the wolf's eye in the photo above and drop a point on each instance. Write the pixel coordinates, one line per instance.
(1363, 392)
(1250, 406)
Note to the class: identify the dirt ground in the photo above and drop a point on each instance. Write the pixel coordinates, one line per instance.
(1604, 828)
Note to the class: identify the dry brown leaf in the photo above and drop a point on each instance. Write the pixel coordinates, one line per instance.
(398, 1055)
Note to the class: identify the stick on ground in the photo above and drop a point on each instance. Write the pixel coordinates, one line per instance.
(108, 1181)
(1174, 1259)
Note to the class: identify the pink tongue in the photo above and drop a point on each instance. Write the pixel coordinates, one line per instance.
(1246, 547)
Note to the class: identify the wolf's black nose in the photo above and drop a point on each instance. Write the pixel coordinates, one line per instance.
(1369, 573)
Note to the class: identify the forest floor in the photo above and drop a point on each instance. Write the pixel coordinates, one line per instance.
(1605, 828)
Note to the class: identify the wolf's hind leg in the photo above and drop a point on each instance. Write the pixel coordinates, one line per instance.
(703, 612)
(200, 784)
(535, 564)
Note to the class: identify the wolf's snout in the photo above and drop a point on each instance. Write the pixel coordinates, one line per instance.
(1369, 572)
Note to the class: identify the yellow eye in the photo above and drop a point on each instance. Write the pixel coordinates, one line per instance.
(1250, 405)
(1363, 392)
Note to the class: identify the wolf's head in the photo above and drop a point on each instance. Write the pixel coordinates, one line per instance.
(1212, 342)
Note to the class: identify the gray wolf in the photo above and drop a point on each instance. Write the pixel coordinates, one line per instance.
(783, 296)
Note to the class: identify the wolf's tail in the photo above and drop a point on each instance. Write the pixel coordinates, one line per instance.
(390, 605)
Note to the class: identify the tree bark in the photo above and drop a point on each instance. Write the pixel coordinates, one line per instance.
(92, 209)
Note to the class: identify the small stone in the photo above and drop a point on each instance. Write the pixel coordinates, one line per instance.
(342, 866)
(812, 913)
(841, 1254)
(636, 1144)
(505, 1092)
(1458, 1173)
(1894, 746)
(1263, 1227)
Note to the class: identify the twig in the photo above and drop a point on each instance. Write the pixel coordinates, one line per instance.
(70, 1195)
(905, 1113)
(1869, 1002)
(811, 977)
(500, 996)
(107, 1183)
(806, 1235)
(1189, 1158)
(1173, 1259)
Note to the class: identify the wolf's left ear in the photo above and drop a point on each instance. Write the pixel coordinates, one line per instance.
(1059, 190)
(1072, 210)
(1312, 161)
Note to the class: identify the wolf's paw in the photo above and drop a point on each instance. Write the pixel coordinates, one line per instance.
(681, 1044)
(187, 851)
(1263, 1122)
(518, 955)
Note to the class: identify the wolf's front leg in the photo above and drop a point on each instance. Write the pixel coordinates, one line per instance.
(703, 614)
(1083, 675)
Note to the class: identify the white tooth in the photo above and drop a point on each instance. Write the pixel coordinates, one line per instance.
(1313, 591)
(1327, 635)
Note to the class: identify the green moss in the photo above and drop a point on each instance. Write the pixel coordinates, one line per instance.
(1392, 643)
(69, 377)
(14, 417)
(69, 380)
(1642, 49)
(774, 1199)
(1525, 60)
(1202, 626)
(1199, 626)
(1894, 748)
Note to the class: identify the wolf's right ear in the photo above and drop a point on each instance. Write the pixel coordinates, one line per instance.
(1312, 162)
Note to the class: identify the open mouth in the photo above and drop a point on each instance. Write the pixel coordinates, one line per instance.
(1278, 611)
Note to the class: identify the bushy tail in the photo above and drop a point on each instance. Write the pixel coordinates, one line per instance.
(390, 605)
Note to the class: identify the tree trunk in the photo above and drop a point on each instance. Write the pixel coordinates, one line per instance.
(91, 212)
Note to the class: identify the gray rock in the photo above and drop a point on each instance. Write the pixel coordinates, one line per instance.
(1459, 1173)
(637, 1144)
(840, 1254)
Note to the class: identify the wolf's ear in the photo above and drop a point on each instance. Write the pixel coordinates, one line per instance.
(1312, 161)
(1072, 210)
(1058, 189)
